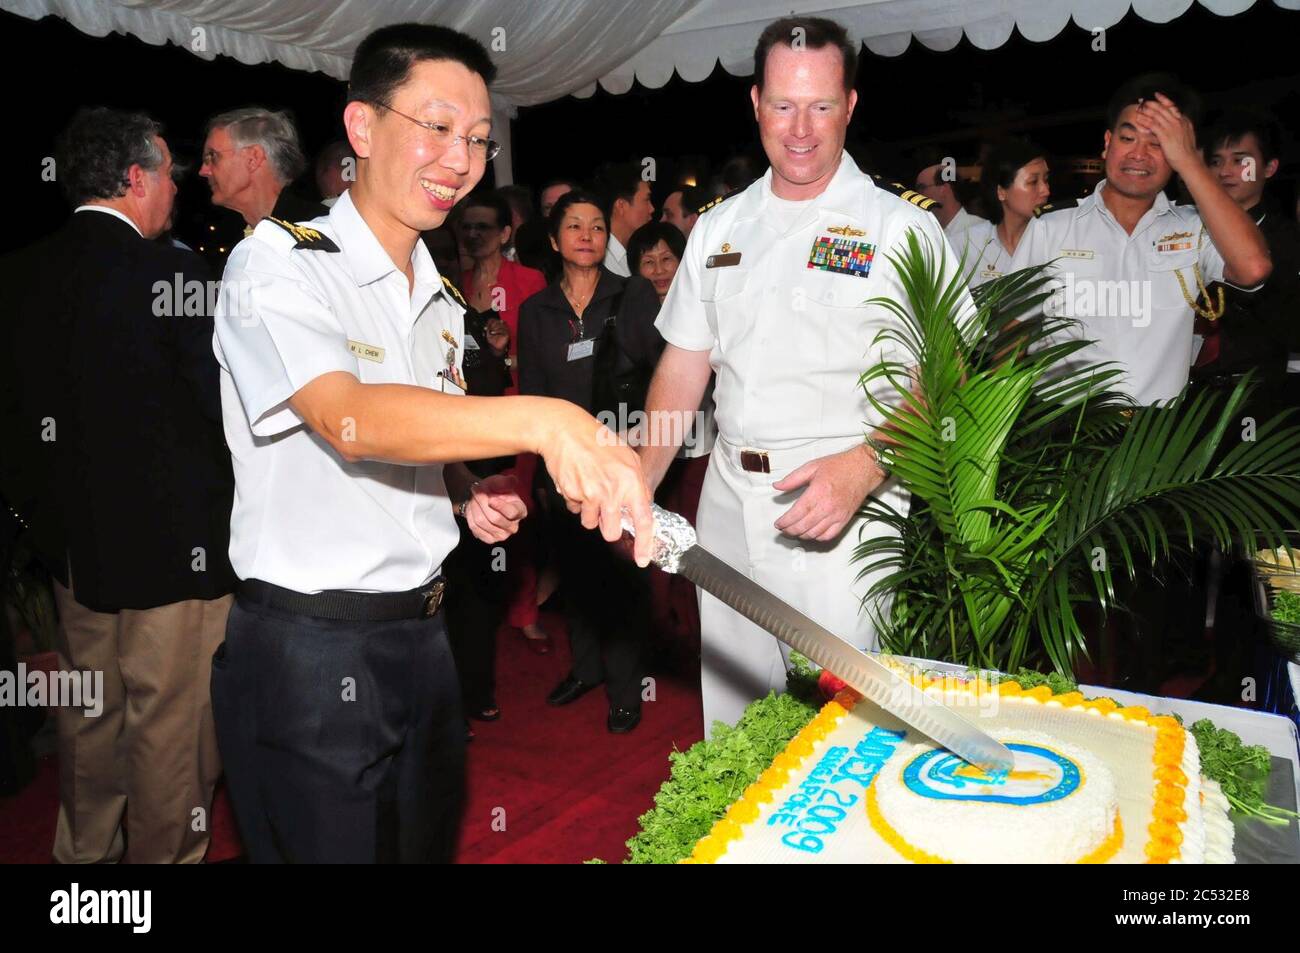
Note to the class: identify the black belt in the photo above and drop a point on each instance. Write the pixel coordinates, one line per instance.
(344, 606)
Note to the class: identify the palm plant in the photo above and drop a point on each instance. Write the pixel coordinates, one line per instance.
(1032, 484)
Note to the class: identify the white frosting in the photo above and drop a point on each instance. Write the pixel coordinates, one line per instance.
(1123, 748)
(1192, 850)
(1219, 832)
(973, 831)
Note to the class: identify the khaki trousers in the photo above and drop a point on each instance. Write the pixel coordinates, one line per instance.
(151, 753)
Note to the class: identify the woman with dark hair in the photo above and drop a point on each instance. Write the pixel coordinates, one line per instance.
(586, 322)
(654, 252)
(1014, 183)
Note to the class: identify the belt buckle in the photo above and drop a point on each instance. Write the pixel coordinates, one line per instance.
(755, 461)
(433, 598)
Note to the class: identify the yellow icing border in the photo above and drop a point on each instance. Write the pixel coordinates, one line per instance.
(728, 828)
(1164, 845)
(1099, 855)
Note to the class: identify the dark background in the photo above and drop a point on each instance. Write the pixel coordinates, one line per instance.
(1054, 92)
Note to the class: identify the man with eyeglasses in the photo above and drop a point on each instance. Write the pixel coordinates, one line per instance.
(250, 156)
(341, 348)
(937, 182)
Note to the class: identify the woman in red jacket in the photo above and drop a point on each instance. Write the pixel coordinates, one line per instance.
(495, 283)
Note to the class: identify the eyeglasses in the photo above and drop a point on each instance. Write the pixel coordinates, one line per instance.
(210, 157)
(479, 147)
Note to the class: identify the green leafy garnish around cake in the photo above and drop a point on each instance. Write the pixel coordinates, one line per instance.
(1241, 770)
(710, 775)
(1058, 683)
(1286, 606)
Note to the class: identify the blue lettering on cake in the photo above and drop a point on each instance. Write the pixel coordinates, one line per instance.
(869, 756)
(816, 809)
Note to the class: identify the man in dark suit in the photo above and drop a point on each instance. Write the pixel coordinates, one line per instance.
(110, 418)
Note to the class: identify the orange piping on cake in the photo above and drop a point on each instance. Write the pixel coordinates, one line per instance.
(731, 825)
(1165, 842)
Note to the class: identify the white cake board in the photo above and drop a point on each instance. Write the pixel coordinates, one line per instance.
(1256, 842)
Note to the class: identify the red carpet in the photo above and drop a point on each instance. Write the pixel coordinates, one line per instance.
(546, 785)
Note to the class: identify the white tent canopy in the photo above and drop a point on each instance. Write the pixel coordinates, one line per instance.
(546, 49)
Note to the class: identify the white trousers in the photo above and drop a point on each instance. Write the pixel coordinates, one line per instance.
(741, 661)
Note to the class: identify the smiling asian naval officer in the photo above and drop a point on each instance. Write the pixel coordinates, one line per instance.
(772, 295)
(340, 348)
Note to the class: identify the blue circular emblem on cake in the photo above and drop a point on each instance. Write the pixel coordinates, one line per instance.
(1040, 775)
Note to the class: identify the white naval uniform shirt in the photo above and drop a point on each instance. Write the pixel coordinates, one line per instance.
(1123, 289)
(789, 339)
(304, 518)
(959, 225)
(986, 258)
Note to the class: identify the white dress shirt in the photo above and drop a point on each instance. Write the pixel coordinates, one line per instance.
(616, 257)
(986, 257)
(305, 518)
(108, 211)
(959, 224)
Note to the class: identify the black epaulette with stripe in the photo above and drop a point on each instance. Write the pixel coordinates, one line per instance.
(1055, 207)
(305, 236)
(454, 291)
(903, 192)
(717, 201)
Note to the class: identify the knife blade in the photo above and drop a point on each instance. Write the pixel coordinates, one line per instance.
(678, 551)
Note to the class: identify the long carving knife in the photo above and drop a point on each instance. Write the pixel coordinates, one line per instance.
(678, 551)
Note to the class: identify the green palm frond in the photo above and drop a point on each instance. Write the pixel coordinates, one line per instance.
(1032, 482)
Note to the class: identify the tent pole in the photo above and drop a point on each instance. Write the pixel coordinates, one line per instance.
(503, 164)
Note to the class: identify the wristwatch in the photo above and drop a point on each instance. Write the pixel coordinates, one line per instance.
(460, 508)
(877, 456)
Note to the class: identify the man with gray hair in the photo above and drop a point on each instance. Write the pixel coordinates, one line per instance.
(249, 156)
(110, 416)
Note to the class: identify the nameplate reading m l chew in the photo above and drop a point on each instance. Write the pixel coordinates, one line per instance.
(367, 352)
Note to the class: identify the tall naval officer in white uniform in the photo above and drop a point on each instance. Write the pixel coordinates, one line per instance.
(340, 345)
(771, 294)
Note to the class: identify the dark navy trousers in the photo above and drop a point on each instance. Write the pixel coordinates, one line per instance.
(343, 742)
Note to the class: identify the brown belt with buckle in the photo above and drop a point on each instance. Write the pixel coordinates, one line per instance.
(755, 461)
(344, 606)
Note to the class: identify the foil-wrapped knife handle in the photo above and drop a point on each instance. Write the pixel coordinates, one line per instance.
(674, 535)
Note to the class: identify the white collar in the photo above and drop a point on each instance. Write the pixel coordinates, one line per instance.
(110, 211)
(366, 258)
(845, 194)
(616, 248)
(1095, 200)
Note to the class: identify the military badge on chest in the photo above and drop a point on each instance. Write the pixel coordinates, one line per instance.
(842, 253)
(451, 372)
